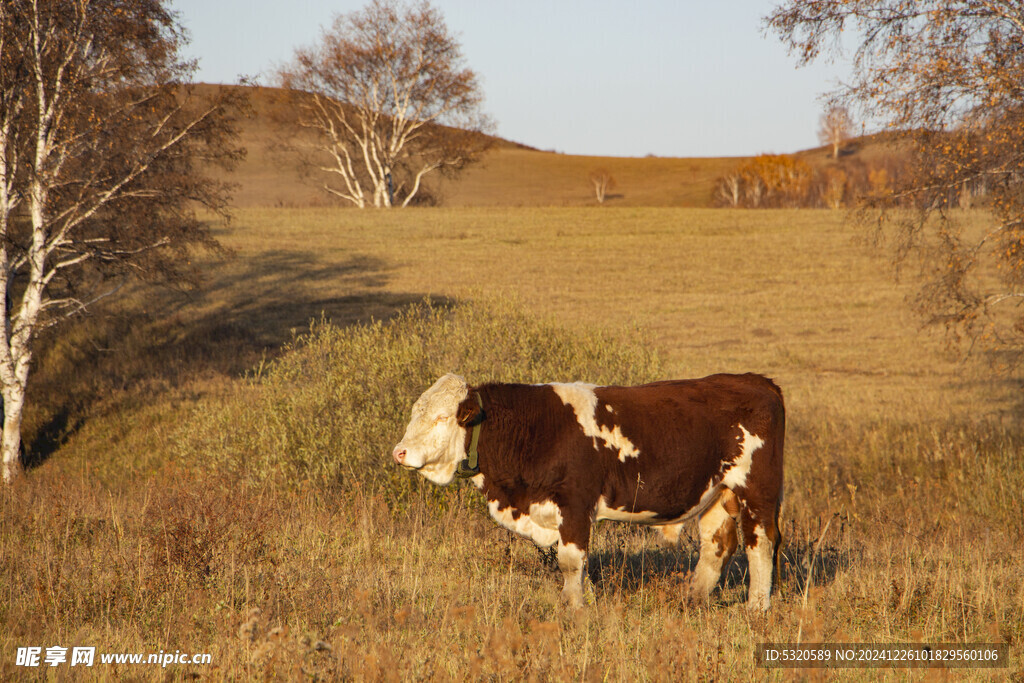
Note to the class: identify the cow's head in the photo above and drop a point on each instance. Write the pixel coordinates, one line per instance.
(435, 440)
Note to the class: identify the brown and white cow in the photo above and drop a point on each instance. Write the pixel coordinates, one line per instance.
(554, 458)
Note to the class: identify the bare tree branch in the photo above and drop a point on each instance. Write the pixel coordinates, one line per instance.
(948, 76)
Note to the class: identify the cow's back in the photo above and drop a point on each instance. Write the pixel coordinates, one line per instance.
(685, 436)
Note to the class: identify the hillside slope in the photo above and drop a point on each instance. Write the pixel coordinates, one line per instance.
(511, 174)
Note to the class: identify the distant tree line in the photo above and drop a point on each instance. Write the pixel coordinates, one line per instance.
(786, 181)
(772, 181)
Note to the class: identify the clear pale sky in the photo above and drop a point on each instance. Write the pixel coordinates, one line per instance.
(604, 77)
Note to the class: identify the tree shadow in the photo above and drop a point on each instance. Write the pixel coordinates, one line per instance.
(1002, 372)
(247, 310)
(51, 436)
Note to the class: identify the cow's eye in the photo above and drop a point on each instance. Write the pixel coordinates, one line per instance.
(439, 419)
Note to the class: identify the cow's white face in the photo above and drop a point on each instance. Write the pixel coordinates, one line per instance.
(434, 442)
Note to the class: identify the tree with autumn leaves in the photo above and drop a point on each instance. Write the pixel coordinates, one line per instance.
(948, 75)
(104, 153)
(387, 99)
(766, 181)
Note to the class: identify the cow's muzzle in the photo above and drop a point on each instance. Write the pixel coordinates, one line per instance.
(399, 455)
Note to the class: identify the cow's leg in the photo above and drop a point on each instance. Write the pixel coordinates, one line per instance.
(574, 538)
(762, 540)
(669, 536)
(718, 542)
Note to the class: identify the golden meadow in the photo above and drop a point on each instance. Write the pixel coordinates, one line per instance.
(213, 474)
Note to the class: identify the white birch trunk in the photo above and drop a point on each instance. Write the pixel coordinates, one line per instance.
(21, 322)
(14, 405)
(19, 333)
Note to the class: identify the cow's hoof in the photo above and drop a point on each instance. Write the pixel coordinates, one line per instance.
(757, 606)
(692, 592)
(572, 601)
(578, 600)
(666, 543)
(696, 601)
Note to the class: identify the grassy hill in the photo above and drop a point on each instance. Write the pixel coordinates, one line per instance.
(510, 174)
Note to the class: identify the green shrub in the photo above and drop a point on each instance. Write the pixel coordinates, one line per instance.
(330, 409)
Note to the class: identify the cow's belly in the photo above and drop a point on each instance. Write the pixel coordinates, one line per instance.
(540, 524)
(637, 514)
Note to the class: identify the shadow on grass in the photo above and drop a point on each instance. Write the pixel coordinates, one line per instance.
(629, 571)
(152, 340)
(1002, 374)
(53, 433)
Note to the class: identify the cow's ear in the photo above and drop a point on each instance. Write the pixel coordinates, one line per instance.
(469, 413)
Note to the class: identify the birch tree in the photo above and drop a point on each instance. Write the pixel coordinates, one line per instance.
(728, 189)
(99, 150)
(949, 75)
(835, 127)
(603, 183)
(389, 100)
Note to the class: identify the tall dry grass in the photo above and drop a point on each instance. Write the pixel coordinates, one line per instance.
(309, 581)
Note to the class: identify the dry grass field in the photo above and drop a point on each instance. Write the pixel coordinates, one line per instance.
(789, 293)
(207, 483)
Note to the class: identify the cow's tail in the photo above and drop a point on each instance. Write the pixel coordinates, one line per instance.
(780, 443)
(777, 559)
